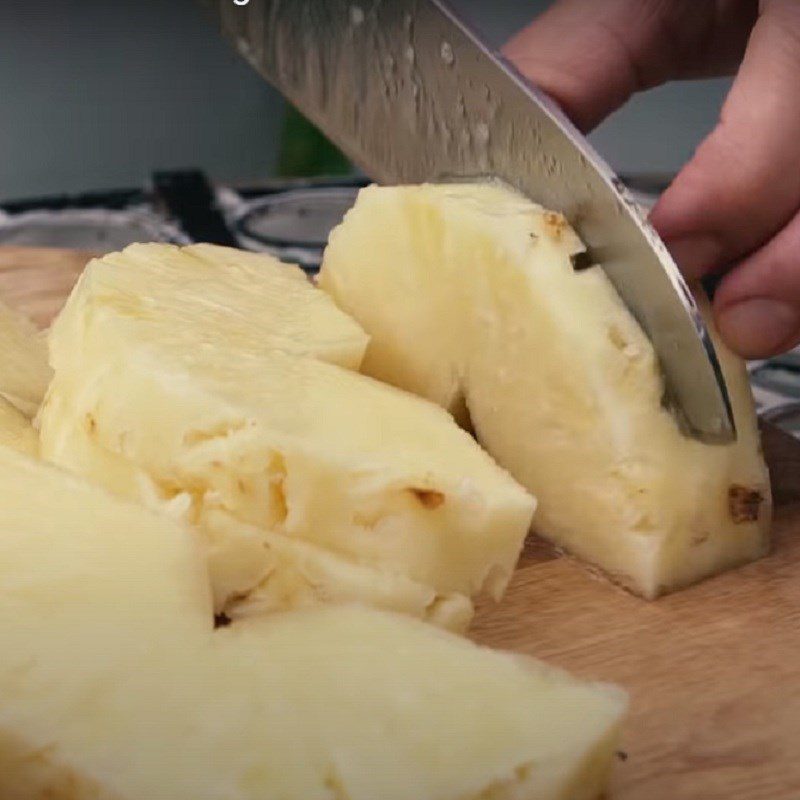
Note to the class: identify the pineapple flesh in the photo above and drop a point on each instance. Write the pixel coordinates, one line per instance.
(114, 684)
(16, 430)
(24, 371)
(221, 386)
(470, 299)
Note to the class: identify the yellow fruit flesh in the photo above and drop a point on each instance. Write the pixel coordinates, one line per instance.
(24, 372)
(470, 299)
(16, 430)
(252, 439)
(206, 299)
(114, 685)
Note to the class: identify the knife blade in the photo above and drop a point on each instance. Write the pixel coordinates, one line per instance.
(411, 94)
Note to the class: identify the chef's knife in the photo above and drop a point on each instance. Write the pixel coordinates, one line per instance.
(411, 94)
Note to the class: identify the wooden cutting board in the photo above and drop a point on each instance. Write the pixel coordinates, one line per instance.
(713, 671)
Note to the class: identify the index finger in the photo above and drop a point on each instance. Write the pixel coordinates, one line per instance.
(592, 56)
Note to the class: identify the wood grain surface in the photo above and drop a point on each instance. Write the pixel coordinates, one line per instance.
(713, 671)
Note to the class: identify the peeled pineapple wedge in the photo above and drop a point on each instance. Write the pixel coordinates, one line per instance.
(219, 385)
(470, 299)
(24, 371)
(113, 683)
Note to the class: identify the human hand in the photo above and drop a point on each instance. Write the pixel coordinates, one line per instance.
(735, 207)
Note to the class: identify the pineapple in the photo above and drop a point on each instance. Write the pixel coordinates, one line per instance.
(16, 430)
(220, 386)
(208, 298)
(470, 299)
(24, 373)
(114, 684)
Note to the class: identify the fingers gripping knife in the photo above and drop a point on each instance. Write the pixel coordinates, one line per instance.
(411, 94)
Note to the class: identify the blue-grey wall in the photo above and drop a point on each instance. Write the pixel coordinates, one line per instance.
(98, 93)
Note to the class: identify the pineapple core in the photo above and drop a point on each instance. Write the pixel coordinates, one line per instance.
(221, 386)
(470, 299)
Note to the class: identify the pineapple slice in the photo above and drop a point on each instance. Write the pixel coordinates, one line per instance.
(114, 684)
(206, 298)
(470, 299)
(255, 570)
(213, 405)
(24, 373)
(16, 430)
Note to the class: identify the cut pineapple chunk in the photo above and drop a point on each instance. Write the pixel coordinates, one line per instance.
(206, 298)
(24, 372)
(256, 570)
(113, 683)
(470, 299)
(16, 430)
(246, 433)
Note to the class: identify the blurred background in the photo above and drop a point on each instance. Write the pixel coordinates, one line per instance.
(99, 93)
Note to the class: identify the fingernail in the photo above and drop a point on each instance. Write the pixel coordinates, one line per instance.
(759, 327)
(696, 255)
